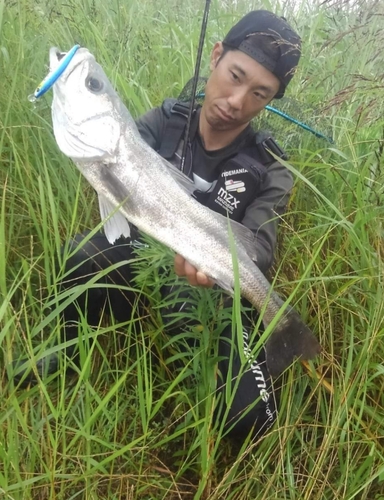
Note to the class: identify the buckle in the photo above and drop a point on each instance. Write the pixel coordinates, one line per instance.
(180, 109)
(270, 144)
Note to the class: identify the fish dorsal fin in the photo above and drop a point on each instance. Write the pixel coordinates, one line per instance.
(116, 225)
(245, 236)
(183, 181)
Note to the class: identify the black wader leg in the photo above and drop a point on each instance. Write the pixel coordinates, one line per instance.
(95, 255)
(252, 407)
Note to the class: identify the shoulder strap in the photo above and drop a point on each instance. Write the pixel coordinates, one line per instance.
(265, 144)
(174, 130)
(262, 143)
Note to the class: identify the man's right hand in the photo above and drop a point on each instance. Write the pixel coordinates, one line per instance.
(194, 277)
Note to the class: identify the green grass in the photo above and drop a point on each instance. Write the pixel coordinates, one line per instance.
(133, 424)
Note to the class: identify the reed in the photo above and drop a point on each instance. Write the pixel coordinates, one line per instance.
(130, 425)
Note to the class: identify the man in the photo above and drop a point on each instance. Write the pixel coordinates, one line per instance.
(234, 174)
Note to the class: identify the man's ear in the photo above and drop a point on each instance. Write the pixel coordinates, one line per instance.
(216, 54)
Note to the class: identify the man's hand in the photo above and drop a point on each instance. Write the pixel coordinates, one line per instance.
(194, 277)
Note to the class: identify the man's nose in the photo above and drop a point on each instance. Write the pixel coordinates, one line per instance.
(237, 98)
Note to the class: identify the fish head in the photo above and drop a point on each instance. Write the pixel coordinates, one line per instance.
(86, 116)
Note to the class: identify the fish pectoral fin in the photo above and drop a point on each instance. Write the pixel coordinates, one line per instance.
(116, 225)
(293, 340)
(183, 181)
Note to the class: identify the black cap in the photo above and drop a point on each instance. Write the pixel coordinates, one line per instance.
(270, 41)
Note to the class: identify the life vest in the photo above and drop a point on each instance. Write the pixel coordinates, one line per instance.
(240, 176)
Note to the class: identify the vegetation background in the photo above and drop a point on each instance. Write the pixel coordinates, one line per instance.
(130, 426)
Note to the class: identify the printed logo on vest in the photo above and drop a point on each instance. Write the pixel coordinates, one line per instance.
(238, 171)
(237, 186)
(226, 200)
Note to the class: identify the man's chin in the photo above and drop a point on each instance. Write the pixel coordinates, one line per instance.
(222, 126)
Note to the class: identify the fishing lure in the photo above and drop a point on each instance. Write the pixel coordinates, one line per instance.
(52, 77)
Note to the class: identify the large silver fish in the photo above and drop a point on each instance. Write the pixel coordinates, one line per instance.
(93, 127)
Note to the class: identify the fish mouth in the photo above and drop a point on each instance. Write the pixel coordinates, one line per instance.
(60, 55)
(56, 55)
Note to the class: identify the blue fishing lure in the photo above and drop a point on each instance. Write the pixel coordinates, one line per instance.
(53, 76)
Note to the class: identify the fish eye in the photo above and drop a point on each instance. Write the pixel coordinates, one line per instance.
(93, 84)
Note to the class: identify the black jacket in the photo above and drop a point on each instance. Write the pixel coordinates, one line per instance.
(263, 212)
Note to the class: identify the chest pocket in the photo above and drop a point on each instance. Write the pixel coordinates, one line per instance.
(240, 180)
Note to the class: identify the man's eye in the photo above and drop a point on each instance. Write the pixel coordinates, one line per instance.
(259, 96)
(234, 76)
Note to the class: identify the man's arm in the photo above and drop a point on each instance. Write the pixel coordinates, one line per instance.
(262, 215)
(151, 126)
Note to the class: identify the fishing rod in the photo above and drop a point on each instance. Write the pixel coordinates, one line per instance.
(195, 80)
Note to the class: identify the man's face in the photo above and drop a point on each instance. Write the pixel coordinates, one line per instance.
(237, 90)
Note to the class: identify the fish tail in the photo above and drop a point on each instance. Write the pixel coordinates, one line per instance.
(293, 339)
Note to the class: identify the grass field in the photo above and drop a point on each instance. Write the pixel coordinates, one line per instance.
(129, 426)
